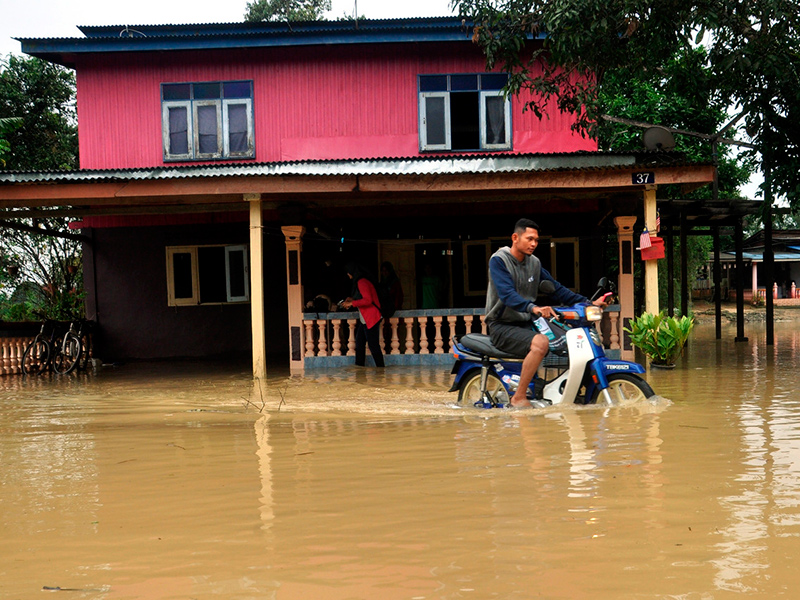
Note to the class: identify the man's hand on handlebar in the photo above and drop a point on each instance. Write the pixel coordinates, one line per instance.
(543, 311)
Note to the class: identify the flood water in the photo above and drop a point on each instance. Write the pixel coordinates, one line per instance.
(184, 482)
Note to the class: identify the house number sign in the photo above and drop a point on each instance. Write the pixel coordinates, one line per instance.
(647, 177)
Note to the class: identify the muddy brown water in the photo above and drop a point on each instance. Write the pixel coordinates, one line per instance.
(180, 482)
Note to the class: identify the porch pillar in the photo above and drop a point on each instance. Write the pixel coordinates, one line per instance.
(650, 266)
(625, 284)
(293, 235)
(257, 287)
(754, 267)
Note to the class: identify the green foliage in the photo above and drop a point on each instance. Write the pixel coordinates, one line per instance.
(41, 273)
(42, 95)
(680, 96)
(750, 62)
(7, 125)
(286, 10)
(660, 337)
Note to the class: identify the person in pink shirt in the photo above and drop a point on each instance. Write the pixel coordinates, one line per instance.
(365, 298)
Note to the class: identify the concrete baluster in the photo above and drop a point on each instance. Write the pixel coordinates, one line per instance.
(309, 325)
(409, 321)
(322, 326)
(394, 322)
(337, 342)
(423, 335)
(437, 342)
(351, 339)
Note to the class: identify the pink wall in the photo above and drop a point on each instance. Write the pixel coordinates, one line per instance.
(309, 102)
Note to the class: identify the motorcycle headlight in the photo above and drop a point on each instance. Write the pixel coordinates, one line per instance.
(594, 313)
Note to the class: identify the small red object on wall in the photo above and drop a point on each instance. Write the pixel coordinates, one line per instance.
(655, 251)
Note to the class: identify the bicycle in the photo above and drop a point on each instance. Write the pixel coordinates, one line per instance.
(38, 354)
(73, 351)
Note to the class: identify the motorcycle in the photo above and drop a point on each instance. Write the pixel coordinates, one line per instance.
(486, 377)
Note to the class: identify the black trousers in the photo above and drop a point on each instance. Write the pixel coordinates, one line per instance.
(369, 336)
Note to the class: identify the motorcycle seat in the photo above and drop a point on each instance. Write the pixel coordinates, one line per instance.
(482, 344)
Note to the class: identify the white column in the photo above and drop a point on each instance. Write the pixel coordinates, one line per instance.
(257, 287)
(755, 282)
(650, 266)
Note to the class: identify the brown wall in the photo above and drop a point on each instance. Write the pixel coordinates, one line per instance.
(129, 301)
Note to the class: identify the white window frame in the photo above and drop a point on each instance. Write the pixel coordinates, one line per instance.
(423, 124)
(223, 127)
(246, 266)
(507, 120)
(226, 128)
(195, 299)
(187, 105)
(196, 105)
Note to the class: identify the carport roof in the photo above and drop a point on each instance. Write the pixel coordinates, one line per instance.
(427, 165)
(347, 183)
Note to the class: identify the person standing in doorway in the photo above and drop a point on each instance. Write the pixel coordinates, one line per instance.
(365, 298)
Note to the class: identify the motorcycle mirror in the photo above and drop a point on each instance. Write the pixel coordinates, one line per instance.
(603, 283)
(546, 287)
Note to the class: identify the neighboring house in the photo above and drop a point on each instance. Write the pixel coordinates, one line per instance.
(223, 165)
(786, 254)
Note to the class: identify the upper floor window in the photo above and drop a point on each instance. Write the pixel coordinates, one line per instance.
(206, 121)
(464, 112)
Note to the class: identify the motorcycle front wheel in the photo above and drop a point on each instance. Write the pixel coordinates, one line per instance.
(469, 393)
(624, 388)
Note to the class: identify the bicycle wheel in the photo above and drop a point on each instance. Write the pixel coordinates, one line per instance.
(36, 357)
(68, 355)
(625, 388)
(469, 393)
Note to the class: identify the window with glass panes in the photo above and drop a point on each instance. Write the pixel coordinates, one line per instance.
(208, 120)
(464, 112)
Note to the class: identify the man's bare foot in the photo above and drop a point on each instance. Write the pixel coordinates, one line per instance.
(519, 403)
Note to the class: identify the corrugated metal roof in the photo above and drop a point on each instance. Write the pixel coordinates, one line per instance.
(439, 165)
(759, 256)
(210, 36)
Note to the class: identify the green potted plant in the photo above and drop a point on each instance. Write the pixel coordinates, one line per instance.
(660, 337)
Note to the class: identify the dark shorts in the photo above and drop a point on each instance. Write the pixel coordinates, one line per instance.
(516, 338)
(511, 338)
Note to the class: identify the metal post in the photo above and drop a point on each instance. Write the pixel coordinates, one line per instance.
(769, 254)
(738, 242)
(684, 265)
(717, 286)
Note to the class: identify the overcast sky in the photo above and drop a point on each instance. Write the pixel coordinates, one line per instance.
(58, 18)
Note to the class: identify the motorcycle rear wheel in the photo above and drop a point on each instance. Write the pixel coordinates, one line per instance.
(469, 393)
(625, 389)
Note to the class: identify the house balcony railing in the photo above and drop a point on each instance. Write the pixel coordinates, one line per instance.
(413, 337)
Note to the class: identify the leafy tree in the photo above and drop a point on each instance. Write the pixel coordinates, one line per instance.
(40, 260)
(42, 95)
(7, 125)
(751, 62)
(286, 10)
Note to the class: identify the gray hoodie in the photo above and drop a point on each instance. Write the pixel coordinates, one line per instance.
(513, 287)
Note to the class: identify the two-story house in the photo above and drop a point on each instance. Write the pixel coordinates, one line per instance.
(223, 166)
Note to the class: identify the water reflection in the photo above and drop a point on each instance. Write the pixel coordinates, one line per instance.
(184, 481)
